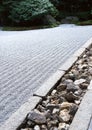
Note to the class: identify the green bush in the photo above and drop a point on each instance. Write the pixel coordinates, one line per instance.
(27, 10)
(19, 11)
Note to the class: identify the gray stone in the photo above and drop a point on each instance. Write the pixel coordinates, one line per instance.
(36, 117)
(78, 93)
(73, 109)
(52, 106)
(71, 97)
(79, 81)
(68, 81)
(72, 76)
(71, 87)
(70, 19)
(48, 19)
(61, 87)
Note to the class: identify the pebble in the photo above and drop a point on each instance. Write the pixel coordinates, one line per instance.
(53, 92)
(55, 110)
(63, 126)
(36, 127)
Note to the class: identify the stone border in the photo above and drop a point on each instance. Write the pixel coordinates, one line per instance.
(18, 117)
(83, 116)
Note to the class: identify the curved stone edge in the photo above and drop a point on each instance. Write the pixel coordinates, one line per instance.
(83, 116)
(18, 117)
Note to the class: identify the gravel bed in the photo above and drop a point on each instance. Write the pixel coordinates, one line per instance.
(57, 110)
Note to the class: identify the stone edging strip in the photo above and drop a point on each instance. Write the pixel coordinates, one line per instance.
(18, 117)
(82, 118)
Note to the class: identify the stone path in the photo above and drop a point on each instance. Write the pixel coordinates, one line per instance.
(28, 58)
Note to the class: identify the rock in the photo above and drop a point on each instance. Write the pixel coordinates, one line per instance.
(36, 117)
(72, 76)
(43, 127)
(48, 123)
(71, 87)
(61, 99)
(47, 113)
(78, 93)
(40, 108)
(71, 97)
(80, 61)
(62, 94)
(55, 110)
(36, 127)
(73, 109)
(84, 86)
(63, 126)
(65, 105)
(52, 106)
(61, 87)
(70, 19)
(83, 75)
(53, 92)
(64, 115)
(80, 81)
(90, 70)
(48, 19)
(54, 122)
(77, 102)
(67, 81)
(30, 123)
(85, 66)
(75, 72)
(44, 103)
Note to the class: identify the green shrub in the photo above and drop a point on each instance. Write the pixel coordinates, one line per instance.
(27, 10)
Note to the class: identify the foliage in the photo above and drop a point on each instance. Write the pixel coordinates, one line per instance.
(25, 10)
(29, 9)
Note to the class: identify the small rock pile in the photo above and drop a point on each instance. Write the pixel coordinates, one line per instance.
(57, 111)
